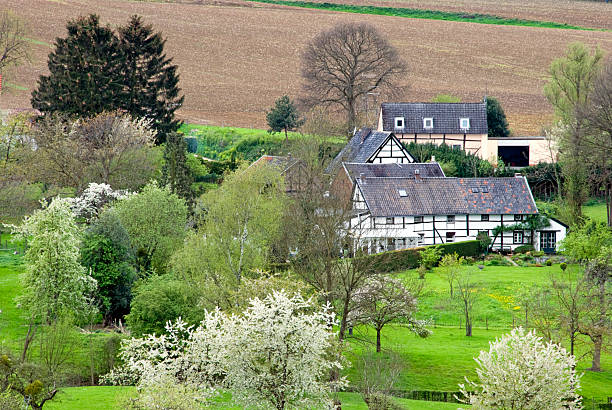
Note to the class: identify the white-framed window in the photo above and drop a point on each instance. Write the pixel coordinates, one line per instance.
(421, 239)
(464, 123)
(399, 122)
(484, 217)
(518, 237)
(450, 219)
(389, 220)
(428, 123)
(418, 219)
(518, 217)
(450, 237)
(457, 146)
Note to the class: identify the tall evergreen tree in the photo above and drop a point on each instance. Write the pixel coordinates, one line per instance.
(496, 119)
(85, 71)
(176, 174)
(151, 81)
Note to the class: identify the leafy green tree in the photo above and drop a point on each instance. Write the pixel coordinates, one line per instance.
(284, 116)
(155, 220)
(85, 71)
(496, 119)
(572, 80)
(242, 220)
(105, 250)
(175, 172)
(54, 282)
(151, 80)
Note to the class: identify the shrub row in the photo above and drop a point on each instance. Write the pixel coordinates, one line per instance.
(394, 261)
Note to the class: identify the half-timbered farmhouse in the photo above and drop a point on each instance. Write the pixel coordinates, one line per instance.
(460, 125)
(399, 212)
(463, 126)
(374, 147)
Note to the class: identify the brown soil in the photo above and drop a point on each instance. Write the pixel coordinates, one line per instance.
(236, 58)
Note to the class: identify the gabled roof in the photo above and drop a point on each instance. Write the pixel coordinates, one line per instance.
(426, 170)
(447, 196)
(445, 116)
(360, 148)
(282, 163)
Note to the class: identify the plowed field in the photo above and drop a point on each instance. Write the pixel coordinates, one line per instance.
(236, 58)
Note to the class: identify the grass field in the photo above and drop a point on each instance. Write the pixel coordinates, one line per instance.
(235, 58)
(596, 211)
(423, 14)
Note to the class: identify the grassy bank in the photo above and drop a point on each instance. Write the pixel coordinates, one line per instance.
(225, 143)
(426, 14)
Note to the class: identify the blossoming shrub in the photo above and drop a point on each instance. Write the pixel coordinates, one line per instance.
(520, 371)
(275, 354)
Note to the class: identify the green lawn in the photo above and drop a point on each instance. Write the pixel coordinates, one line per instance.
(498, 288)
(596, 211)
(109, 398)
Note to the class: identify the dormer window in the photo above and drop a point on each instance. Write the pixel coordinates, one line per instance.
(464, 123)
(402, 193)
(399, 122)
(428, 123)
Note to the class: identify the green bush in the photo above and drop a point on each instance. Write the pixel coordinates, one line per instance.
(381, 401)
(524, 249)
(548, 262)
(563, 266)
(160, 299)
(395, 261)
(538, 254)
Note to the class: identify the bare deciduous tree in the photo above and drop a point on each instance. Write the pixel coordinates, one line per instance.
(467, 297)
(14, 47)
(110, 148)
(342, 65)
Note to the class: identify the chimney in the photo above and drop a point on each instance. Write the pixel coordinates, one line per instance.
(433, 158)
(417, 174)
(362, 178)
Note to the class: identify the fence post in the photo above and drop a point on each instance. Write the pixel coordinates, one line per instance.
(459, 323)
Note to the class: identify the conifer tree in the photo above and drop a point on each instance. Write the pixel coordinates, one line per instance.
(176, 174)
(151, 81)
(284, 116)
(496, 119)
(85, 71)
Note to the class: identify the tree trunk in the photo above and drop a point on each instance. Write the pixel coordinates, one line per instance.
(468, 322)
(377, 340)
(286, 136)
(596, 365)
(352, 116)
(345, 311)
(28, 340)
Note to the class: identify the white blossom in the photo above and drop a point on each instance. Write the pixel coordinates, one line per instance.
(93, 199)
(276, 354)
(521, 372)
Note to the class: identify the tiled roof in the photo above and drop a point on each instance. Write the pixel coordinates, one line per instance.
(359, 149)
(426, 170)
(447, 196)
(445, 116)
(282, 163)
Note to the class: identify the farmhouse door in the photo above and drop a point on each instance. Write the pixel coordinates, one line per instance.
(548, 241)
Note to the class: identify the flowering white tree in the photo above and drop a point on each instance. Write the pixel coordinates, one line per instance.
(93, 199)
(276, 354)
(54, 282)
(521, 372)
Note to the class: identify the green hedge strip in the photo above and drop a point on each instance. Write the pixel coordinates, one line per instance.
(395, 261)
